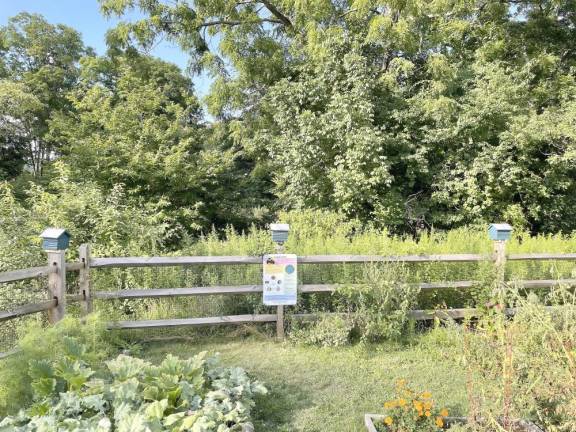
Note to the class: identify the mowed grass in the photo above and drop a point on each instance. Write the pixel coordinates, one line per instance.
(329, 389)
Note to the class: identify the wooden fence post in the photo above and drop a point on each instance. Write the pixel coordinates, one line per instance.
(57, 284)
(499, 233)
(280, 322)
(500, 258)
(84, 276)
(280, 309)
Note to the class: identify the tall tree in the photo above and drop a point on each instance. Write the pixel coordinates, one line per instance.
(41, 62)
(407, 113)
(137, 122)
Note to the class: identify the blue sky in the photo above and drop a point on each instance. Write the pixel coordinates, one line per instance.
(84, 16)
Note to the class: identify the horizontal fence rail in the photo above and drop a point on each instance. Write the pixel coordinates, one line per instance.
(542, 257)
(426, 315)
(210, 321)
(304, 288)
(36, 272)
(57, 297)
(28, 309)
(29, 273)
(314, 259)
(168, 261)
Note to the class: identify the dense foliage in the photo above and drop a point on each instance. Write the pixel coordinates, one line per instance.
(130, 394)
(404, 114)
(408, 113)
(177, 395)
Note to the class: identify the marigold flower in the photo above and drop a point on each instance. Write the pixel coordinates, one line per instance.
(444, 412)
(427, 413)
(388, 420)
(439, 422)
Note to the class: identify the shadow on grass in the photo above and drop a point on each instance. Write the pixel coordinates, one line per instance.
(276, 410)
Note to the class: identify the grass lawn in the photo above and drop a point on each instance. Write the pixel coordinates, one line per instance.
(329, 389)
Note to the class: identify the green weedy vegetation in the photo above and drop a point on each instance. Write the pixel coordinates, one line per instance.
(50, 345)
(323, 232)
(125, 393)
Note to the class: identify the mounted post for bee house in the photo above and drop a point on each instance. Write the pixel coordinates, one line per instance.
(279, 236)
(499, 233)
(55, 242)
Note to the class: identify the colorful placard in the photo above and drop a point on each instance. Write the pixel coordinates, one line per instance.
(280, 279)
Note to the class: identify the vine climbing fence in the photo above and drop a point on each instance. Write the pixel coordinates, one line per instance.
(47, 293)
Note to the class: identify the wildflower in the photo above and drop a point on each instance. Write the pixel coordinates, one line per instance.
(439, 422)
(428, 405)
(418, 405)
(444, 412)
(402, 402)
(426, 395)
(388, 420)
(427, 413)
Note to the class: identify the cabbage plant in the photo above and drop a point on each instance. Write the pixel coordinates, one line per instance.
(133, 395)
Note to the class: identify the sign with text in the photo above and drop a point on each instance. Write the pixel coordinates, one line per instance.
(280, 279)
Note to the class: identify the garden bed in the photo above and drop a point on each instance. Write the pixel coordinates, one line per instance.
(370, 421)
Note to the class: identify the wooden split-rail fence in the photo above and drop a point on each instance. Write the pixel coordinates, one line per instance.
(57, 299)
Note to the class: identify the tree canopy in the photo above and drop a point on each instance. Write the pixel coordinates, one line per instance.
(408, 114)
(38, 67)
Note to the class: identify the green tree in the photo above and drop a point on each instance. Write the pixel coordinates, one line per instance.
(19, 110)
(136, 122)
(43, 60)
(406, 113)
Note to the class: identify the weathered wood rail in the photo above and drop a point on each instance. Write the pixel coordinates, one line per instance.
(57, 268)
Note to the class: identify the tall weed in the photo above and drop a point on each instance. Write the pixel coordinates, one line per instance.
(49, 344)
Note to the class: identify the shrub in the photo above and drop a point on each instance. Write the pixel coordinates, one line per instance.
(379, 307)
(196, 394)
(375, 309)
(328, 331)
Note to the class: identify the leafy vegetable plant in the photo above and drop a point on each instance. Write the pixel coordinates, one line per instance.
(133, 395)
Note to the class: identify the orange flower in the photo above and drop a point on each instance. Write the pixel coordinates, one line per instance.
(427, 413)
(444, 412)
(388, 420)
(417, 405)
(402, 402)
(439, 422)
(428, 405)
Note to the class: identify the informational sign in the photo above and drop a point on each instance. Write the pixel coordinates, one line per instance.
(280, 279)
